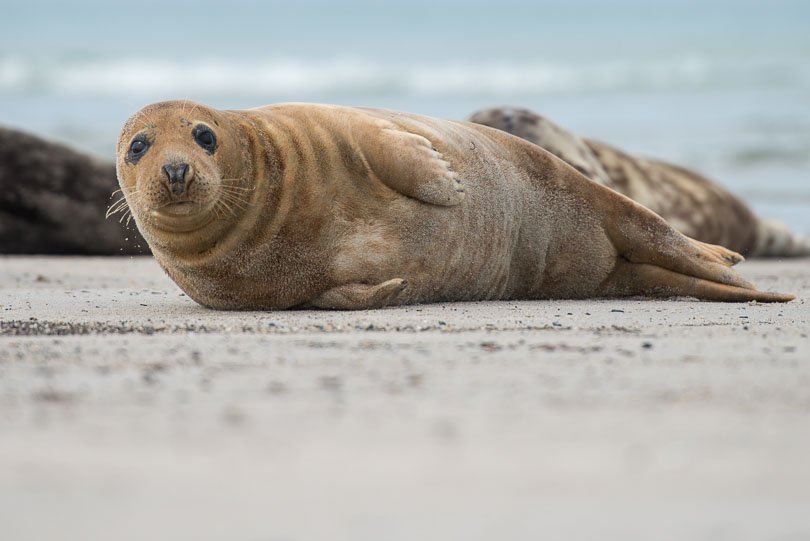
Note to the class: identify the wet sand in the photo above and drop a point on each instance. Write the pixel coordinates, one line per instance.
(129, 412)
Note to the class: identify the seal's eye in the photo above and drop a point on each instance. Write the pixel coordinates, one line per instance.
(137, 148)
(205, 138)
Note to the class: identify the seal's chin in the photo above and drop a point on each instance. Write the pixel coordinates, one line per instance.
(181, 216)
(180, 208)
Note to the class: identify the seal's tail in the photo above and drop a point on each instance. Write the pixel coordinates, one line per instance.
(774, 239)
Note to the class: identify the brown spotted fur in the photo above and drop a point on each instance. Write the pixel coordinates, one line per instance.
(694, 205)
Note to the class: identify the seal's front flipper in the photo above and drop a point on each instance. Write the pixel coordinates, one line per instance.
(359, 296)
(410, 164)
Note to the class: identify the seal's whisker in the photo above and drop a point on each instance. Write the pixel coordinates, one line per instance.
(117, 207)
(117, 204)
(218, 210)
(236, 182)
(229, 202)
(115, 210)
(237, 199)
(238, 189)
(123, 195)
(227, 207)
(121, 198)
(235, 193)
(225, 210)
(121, 204)
(119, 201)
(235, 196)
(235, 202)
(232, 180)
(241, 196)
(125, 209)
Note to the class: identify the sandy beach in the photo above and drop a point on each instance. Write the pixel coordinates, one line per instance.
(129, 412)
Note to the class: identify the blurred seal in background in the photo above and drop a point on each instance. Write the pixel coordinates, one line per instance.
(53, 201)
(693, 204)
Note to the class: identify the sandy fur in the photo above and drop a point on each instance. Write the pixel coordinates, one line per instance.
(341, 201)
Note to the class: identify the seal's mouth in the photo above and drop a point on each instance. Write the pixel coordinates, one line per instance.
(181, 216)
(185, 207)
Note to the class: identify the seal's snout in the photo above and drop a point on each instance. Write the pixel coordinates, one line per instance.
(178, 177)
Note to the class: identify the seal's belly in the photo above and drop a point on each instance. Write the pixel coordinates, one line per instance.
(503, 242)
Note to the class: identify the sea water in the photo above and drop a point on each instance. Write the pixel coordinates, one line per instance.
(721, 86)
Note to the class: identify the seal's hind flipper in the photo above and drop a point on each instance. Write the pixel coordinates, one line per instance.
(643, 279)
(641, 236)
(726, 257)
(656, 259)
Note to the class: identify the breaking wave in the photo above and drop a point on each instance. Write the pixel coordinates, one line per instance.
(139, 77)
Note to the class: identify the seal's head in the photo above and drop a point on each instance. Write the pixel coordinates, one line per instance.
(185, 171)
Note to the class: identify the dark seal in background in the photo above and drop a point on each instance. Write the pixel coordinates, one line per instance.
(53, 200)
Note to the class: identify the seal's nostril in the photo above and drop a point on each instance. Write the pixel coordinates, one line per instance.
(176, 173)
